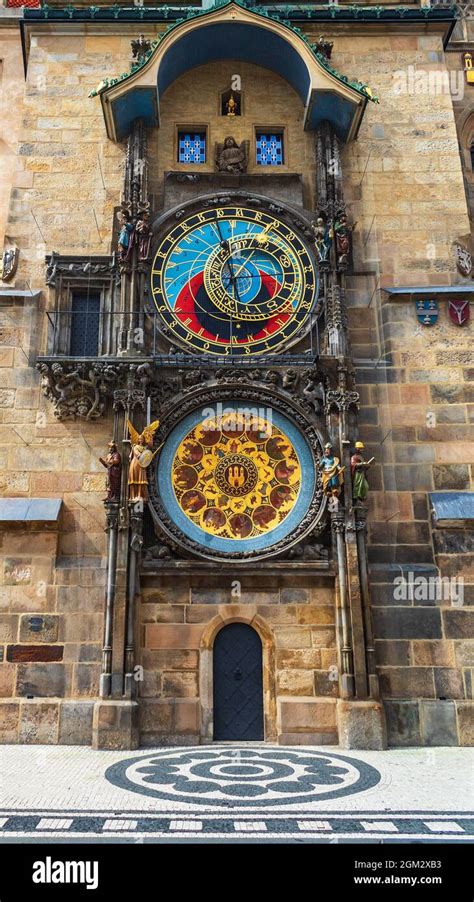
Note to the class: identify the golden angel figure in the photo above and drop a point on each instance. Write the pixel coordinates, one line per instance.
(140, 458)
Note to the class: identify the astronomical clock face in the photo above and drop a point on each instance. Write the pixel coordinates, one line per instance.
(238, 481)
(233, 280)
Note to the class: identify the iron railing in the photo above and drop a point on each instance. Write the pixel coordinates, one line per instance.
(98, 334)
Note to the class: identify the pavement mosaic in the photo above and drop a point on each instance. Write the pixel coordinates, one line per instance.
(237, 792)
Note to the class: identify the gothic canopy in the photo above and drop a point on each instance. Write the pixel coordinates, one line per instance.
(233, 32)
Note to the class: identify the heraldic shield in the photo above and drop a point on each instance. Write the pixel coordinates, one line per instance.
(427, 312)
(459, 312)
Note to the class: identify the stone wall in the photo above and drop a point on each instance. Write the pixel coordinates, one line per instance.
(295, 617)
(268, 102)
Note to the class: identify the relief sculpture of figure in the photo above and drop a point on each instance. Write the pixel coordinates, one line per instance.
(143, 231)
(232, 157)
(140, 458)
(113, 463)
(331, 472)
(125, 238)
(322, 239)
(342, 232)
(359, 467)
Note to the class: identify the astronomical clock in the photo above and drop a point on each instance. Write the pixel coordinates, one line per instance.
(234, 280)
(235, 284)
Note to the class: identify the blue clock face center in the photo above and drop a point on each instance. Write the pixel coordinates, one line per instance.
(242, 279)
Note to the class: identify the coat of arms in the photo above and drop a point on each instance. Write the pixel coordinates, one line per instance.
(463, 260)
(427, 312)
(459, 311)
(9, 263)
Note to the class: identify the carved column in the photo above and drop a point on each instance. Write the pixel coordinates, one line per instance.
(347, 668)
(129, 404)
(112, 512)
(135, 211)
(360, 527)
(136, 509)
(331, 210)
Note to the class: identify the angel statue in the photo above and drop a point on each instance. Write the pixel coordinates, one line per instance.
(140, 458)
(232, 157)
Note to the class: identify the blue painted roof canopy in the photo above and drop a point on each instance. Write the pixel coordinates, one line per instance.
(235, 33)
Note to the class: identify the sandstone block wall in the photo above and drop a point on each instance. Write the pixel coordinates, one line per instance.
(295, 617)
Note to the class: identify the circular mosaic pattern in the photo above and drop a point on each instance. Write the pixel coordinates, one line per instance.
(243, 777)
(233, 480)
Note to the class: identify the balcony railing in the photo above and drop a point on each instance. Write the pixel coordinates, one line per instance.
(89, 333)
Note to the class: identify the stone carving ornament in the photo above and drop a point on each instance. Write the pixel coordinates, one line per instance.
(232, 157)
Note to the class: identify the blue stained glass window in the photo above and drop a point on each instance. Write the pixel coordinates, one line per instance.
(191, 147)
(269, 149)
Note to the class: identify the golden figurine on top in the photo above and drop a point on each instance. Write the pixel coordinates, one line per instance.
(231, 106)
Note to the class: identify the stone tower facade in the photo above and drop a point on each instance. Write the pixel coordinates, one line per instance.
(256, 241)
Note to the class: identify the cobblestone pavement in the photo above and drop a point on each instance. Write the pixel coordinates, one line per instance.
(238, 792)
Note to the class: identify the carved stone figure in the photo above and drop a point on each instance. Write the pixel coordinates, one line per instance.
(324, 47)
(290, 379)
(125, 239)
(342, 233)
(232, 157)
(313, 393)
(140, 47)
(359, 467)
(322, 239)
(143, 231)
(331, 472)
(141, 457)
(113, 464)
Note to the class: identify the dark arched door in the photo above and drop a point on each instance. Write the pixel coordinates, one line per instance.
(238, 683)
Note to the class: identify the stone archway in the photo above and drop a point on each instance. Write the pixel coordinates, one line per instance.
(234, 614)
